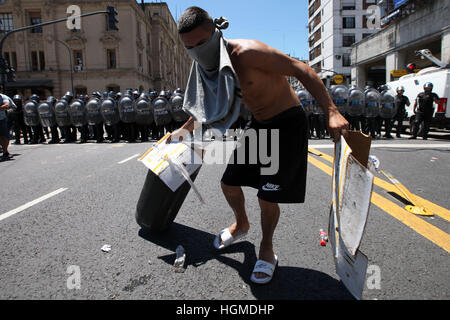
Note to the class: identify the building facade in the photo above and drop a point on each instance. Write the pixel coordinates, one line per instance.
(333, 27)
(146, 52)
(407, 26)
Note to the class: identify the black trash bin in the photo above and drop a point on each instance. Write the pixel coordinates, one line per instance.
(158, 206)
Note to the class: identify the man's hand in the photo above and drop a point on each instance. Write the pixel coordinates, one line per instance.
(337, 126)
(177, 135)
(4, 106)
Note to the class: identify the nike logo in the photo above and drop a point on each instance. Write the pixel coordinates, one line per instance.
(271, 187)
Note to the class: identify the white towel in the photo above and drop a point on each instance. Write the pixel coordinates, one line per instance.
(213, 97)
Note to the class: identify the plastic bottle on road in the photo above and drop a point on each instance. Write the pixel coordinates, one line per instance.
(323, 237)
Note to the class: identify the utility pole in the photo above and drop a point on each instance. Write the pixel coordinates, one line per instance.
(71, 64)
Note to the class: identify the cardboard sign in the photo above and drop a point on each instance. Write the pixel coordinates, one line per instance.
(352, 187)
(180, 154)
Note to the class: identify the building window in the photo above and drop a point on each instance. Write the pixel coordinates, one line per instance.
(11, 59)
(348, 40)
(6, 22)
(111, 58)
(113, 88)
(346, 61)
(80, 91)
(34, 61)
(41, 60)
(348, 22)
(348, 7)
(365, 35)
(35, 18)
(78, 58)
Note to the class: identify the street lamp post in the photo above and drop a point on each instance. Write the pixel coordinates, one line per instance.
(71, 64)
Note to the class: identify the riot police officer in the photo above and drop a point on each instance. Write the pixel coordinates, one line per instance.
(401, 101)
(153, 128)
(111, 117)
(355, 107)
(19, 123)
(387, 110)
(94, 116)
(162, 115)
(424, 110)
(31, 118)
(127, 109)
(372, 111)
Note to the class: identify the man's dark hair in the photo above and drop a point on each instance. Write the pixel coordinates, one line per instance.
(192, 18)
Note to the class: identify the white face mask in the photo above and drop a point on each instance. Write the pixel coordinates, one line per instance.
(208, 54)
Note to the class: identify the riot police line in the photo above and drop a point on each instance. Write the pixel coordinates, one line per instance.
(130, 116)
(366, 110)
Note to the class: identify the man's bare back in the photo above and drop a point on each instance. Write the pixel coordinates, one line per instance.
(265, 93)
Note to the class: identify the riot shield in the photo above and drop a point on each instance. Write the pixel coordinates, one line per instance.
(77, 111)
(47, 114)
(127, 109)
(93, 114)
(110, 111)
(144, 111)
(62, 113)
(339, 95)
(372, 102)
(305, 100)
(176, 108)
(388, 108)
(30, 113)
(161, 111)
(355, 106)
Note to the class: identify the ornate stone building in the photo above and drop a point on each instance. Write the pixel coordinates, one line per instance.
(146, 52)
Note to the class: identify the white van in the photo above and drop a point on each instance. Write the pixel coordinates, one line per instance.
(413, 84)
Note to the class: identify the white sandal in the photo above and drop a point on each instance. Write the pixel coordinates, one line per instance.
(227, 239)
(264, 267)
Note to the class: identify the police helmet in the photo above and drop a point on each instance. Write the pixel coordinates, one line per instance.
(51, 99)
(17, 98)
(428, 85)
(34, 97)
(401, 88)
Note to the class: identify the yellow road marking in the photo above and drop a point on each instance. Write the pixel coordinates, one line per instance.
(428, 231)
(434, 208)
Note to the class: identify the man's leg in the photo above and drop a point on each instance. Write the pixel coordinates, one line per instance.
(236, 200)
(270, 213)
(4, 142)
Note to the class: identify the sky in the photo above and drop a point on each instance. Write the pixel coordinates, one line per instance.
(281, 24)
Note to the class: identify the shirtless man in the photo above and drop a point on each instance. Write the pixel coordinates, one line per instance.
(262, 72)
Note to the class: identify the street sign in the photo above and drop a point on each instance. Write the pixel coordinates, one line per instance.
(338, 79)
(398, 73)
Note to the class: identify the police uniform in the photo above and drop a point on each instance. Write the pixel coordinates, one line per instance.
(424, 113)
(401, 101)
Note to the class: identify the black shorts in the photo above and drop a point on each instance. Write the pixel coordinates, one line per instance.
(288, 183)
(4, 132)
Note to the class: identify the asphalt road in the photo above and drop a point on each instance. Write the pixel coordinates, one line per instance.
(92, 191)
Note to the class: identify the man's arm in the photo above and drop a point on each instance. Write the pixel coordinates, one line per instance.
(5, 106)
(268, 59)
(407, 101)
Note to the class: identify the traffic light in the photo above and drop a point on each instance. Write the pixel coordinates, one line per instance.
(411, 67)
(10, 75)
(112, 13)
